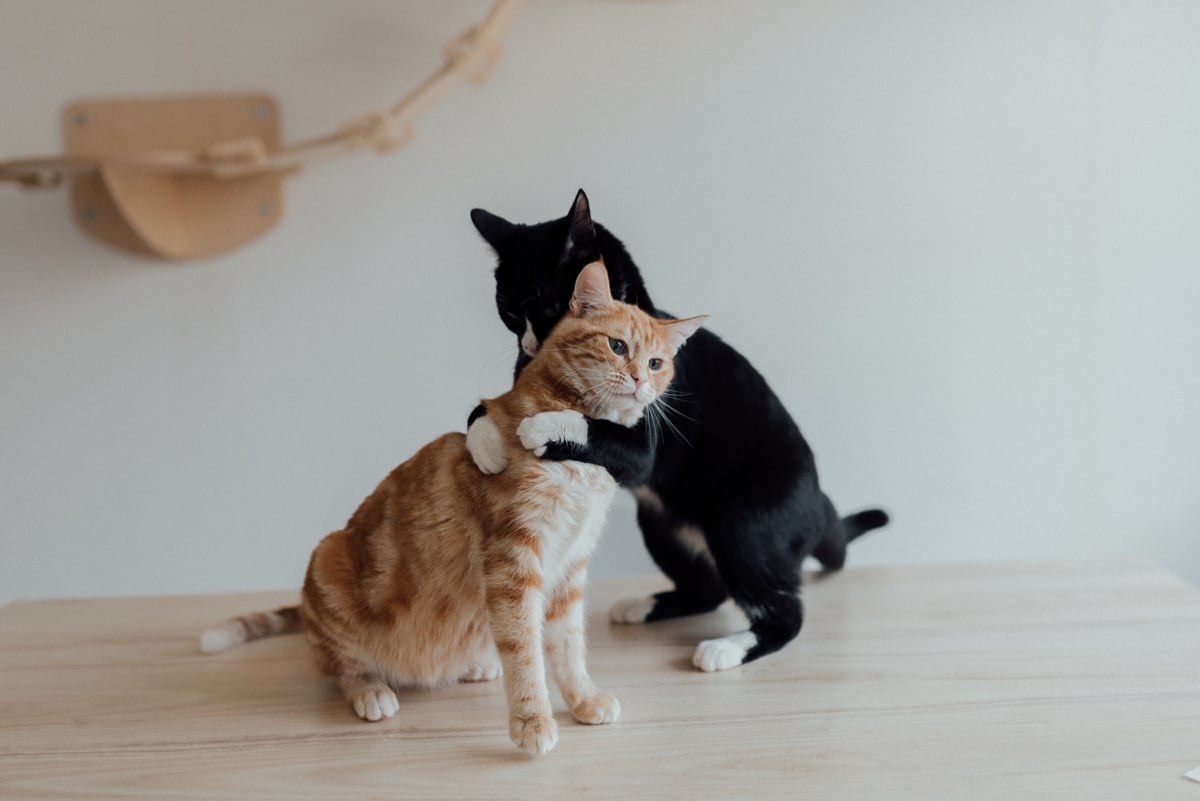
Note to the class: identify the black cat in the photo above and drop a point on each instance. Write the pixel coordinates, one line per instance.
(728, 499)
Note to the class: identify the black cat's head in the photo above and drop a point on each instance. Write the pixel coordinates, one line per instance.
(538, 264)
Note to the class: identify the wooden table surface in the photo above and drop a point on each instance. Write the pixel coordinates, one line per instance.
(1016, 681)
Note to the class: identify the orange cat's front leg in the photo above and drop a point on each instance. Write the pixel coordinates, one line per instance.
(516, 610)
(566, 649)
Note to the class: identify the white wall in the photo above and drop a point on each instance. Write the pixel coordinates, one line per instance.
(961, 239)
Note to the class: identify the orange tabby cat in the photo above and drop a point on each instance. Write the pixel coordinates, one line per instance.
(445, 574)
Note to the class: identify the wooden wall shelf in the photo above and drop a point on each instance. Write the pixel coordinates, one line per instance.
(187, 177)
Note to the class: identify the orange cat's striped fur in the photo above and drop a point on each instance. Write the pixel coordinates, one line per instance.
(445, 574)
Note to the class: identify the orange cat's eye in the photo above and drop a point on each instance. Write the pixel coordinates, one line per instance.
(618, 347)
(656, 365)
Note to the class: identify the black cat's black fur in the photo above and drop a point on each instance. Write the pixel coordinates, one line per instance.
(731, 465)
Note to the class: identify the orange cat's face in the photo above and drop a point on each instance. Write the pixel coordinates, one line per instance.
(618, 357)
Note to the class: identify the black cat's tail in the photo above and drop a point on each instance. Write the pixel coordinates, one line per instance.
(831, 551)
(860, 523)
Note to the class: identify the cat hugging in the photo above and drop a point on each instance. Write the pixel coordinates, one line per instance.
(469, 560)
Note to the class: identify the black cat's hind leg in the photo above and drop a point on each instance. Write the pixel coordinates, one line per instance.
(681, 552)
(776, 615)
(760, 554)
(760, 566)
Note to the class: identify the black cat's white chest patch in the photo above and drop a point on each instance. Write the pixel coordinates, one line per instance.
(529, 340)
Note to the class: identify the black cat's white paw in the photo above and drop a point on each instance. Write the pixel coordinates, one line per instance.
(724, 652)
(486, 446)
(632, 610)
(539, 430)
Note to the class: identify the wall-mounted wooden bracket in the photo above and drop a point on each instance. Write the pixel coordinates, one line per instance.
(186, 177)
(169, 214)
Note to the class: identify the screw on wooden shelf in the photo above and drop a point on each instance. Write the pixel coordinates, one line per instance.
(88, 215)
(266, 209)
(262, 111)
(81, 119)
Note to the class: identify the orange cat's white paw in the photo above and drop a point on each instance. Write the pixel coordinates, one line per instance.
(486, 446)
(600, 708)
(724, 653)
(375, 703)
(486, 671)
(543, 428)
(533, 734)
(631, 610)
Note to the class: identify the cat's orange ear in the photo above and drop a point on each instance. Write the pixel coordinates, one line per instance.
(678, 331)
(591, 291)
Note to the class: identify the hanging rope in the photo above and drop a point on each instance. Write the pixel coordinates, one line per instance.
(472, 55)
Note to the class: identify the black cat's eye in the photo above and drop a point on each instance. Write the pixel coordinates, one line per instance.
(656, 365)
(618, 347)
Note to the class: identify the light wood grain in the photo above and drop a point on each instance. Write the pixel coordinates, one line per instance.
(1036, 681)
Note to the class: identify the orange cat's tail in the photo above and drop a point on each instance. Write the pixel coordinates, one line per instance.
(237, 630)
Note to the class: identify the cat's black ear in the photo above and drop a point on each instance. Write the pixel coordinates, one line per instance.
(581, 231)
(495, 229)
